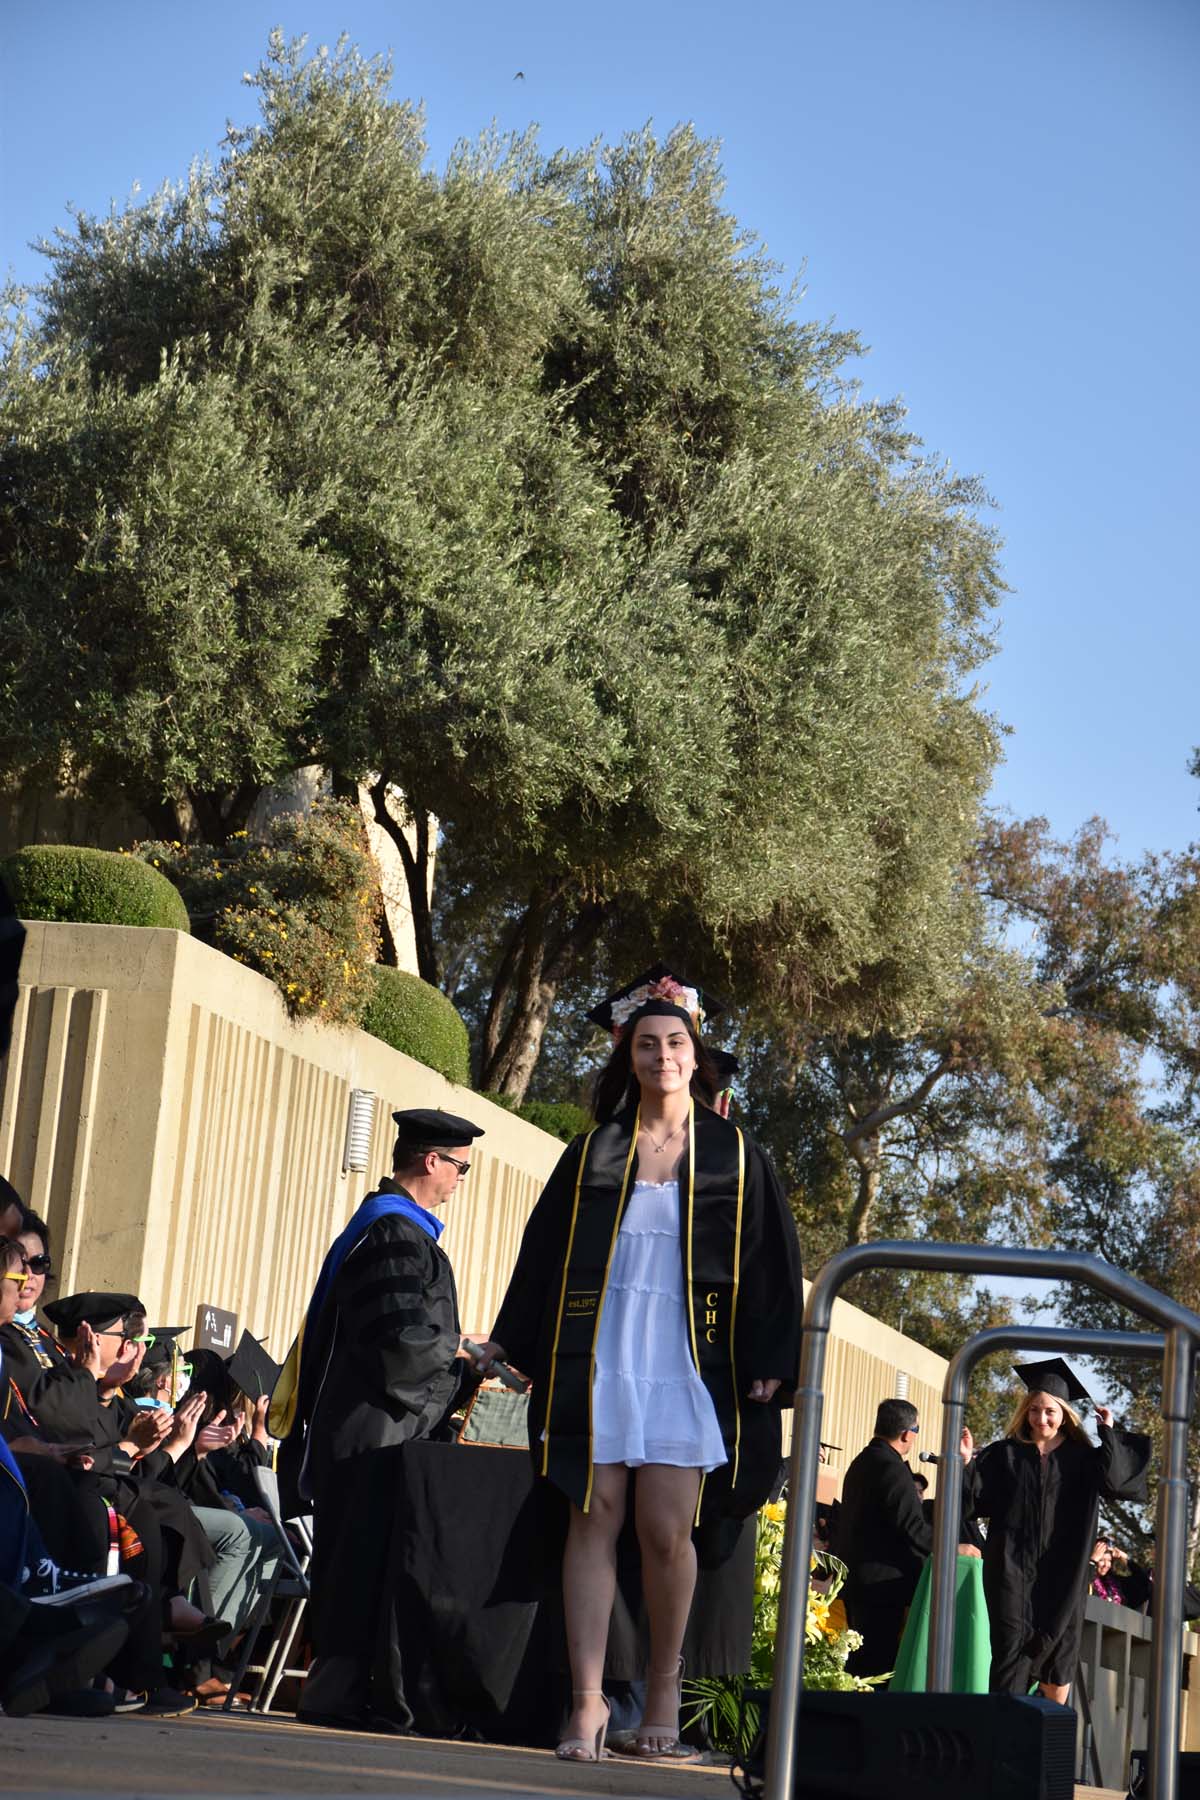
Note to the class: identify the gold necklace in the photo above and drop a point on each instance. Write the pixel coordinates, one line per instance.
(672, 1134)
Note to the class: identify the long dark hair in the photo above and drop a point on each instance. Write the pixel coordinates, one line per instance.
(616, 1085)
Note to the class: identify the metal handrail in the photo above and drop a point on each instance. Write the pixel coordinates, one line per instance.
(1182, 1327)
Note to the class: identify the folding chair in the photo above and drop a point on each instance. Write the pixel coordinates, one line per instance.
(289, 1582)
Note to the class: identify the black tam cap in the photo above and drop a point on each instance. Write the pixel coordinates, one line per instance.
(251, 1369)
(656, 993)
(426, 1126)
(1053, 1377)
(94, 1309)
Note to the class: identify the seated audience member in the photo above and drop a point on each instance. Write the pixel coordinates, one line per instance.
(1124, 1583)
(214, 1473)
(47, 1655)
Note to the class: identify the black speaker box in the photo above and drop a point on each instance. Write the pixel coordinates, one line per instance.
(1189, 1775)
(941, 1746)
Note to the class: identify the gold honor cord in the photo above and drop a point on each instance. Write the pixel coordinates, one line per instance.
(737, 1267)
(691, 1307)
(612, 1245)
(562, 1298)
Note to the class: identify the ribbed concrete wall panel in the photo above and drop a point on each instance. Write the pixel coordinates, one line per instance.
(184, 1138)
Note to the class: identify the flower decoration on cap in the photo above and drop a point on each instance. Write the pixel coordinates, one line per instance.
(665, 988)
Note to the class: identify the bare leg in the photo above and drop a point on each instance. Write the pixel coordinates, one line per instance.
(589, 1585)
(664, 1507)
(1049, 1691)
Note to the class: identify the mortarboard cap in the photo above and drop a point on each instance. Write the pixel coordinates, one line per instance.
(251, 1369)
(727, 1064)
(98, 1310)
(439, 1130)
(159, 1353)
(1053, 1377)
(657, 992)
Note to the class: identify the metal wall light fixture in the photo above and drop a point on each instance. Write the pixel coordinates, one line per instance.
(360, 1129)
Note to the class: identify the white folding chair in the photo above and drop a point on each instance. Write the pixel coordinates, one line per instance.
(288, 1583)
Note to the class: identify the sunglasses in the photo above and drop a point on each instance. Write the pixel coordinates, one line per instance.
(462, 1167)
(14, 1275)
(129, 1337)
(41, 1265)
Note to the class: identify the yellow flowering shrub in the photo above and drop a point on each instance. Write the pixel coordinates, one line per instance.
(827, 1637)
(299, 905)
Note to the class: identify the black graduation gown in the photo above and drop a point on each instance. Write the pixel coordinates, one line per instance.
(1042, 1513)
(66, 1407)
(884, 1539)
(385, 1373)
(741, 1269)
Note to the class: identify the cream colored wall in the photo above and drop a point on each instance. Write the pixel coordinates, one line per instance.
(184, 1140)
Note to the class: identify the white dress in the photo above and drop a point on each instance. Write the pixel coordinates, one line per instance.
(649, 1404)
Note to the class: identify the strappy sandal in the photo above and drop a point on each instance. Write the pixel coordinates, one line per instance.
(670, 1750)
(584, 1749)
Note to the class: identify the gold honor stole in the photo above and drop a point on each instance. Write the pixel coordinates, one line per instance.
(712, 1182)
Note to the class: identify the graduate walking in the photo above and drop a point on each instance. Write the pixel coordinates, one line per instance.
(378, 1364)
(656, 1303)
(1039, 1487)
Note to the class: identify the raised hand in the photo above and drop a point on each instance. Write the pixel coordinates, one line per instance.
(86, 1354)
(966, 1445)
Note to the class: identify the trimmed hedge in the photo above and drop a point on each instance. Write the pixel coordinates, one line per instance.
(418, 1019)
(80, 886)
(561, 1118)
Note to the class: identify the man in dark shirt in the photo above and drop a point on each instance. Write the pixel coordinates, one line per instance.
(883, 1537)
(381, 1364)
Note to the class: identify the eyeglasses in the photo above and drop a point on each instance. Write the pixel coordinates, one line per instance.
(913, 1430)
(462, 1167)
(40, 1265)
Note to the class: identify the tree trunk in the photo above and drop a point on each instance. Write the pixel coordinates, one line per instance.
(220, 812)
(541, 966)
(498, 1001)
(859, 1223)
(416, 866)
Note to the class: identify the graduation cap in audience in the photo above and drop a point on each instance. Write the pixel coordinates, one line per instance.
(425, 1127)
(1053, 1377)
(165, 1348)
(251, 1369)
(727, 1065)
(99, 1310)
(656, 993)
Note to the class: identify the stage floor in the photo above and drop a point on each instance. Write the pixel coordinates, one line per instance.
(206, 1754)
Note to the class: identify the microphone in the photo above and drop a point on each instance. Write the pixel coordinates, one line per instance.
(932, 1456)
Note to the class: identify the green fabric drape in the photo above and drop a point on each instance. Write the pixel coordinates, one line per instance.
(972, 1644)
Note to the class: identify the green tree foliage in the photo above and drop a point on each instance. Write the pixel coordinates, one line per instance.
(519, 488)
(91, 887)
(418, 1019)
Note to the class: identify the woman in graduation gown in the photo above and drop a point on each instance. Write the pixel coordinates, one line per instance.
(1039, 1487)
(656, 1302)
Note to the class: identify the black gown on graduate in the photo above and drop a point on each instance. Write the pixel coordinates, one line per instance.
(741, 1270)
(1042, 1513)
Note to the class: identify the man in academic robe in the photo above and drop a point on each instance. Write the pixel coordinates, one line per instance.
(883, 1537)
(380, 1365)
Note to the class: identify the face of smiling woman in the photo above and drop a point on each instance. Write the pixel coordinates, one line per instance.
(32, 1245)
(663, 1055)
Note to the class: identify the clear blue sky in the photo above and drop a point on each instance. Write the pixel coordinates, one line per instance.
(999, 195)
